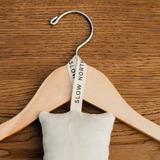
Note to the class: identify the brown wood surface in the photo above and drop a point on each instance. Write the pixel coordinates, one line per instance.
(125, 47)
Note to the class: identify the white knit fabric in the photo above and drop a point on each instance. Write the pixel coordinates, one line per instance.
(76, 135)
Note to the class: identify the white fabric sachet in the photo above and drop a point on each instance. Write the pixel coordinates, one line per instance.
(76, 135)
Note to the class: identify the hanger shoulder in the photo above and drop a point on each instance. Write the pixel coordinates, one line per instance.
(100, 92)
(54, 91)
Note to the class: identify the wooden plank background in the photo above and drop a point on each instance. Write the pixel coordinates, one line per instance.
(125, 47)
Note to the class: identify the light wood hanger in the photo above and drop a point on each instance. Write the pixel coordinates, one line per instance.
(99, 91)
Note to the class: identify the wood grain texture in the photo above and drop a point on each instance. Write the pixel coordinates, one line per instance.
(125, 46)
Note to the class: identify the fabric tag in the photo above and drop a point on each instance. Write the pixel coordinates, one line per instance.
(77, 69)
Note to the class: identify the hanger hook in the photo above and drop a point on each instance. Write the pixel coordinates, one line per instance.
(55, 20)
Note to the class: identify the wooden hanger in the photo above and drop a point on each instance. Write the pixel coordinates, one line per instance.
(99, 91)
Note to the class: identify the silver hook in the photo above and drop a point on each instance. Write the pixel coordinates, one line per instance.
(55, 20)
